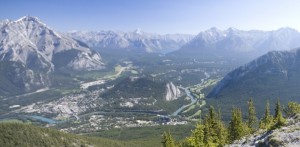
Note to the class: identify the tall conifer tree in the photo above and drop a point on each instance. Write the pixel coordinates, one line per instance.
(278, 118)
(168, 140)
(251, 116)
(267, 120)
(236, 125)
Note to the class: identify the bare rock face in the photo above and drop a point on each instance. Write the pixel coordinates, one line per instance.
(288, 135)
(34, 44)
(173, 92)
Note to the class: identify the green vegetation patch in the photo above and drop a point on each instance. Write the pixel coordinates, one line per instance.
(149, 136)
(18, 134)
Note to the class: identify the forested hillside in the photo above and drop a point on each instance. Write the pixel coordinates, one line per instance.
(25, 135)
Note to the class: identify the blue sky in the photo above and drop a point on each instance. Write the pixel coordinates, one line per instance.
(157, 16)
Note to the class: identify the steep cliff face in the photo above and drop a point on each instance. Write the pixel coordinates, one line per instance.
(173, 92)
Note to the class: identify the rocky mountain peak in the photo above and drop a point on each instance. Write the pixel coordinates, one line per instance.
(29, 18)
(138, 31)
(232, 30)
(30, 42)
(286, 29)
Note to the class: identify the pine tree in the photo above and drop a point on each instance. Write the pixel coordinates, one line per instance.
(266, 121)
(236, 125)
(251, 116)
(277, 109)
(222, 135)
(211, 124)
(211, 133)
(221, 131)
(212, 116)
(208, 132)
(168, 140)
(197, 137)
(292, 108)
(278, 118)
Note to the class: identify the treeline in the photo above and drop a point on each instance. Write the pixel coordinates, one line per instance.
(212, 131)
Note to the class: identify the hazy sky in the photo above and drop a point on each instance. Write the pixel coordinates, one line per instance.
(157, 16)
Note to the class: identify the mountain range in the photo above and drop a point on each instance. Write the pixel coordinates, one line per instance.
(137, 40)
(238, 43)
(210, 43)
(30, 50)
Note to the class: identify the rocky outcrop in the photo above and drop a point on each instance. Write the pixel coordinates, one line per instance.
(173, 92)
(288, 135)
